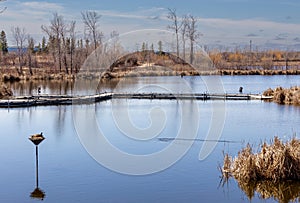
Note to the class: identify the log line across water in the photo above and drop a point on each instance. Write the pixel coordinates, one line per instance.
(52, 100)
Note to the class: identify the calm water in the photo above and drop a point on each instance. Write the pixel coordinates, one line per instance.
(67, 173)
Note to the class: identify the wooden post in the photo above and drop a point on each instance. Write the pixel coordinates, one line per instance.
(37, 166)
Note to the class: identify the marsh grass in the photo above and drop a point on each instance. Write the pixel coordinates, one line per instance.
(284, 96)
(275, 162)
(273, 172)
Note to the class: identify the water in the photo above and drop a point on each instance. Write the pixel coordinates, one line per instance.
(250, 84)
(67, 173)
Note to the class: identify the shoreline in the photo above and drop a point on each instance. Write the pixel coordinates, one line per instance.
(121, 74)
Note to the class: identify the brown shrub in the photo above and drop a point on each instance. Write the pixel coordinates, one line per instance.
(275, 162)
(284, 96)
(5, 92)
(269, 92)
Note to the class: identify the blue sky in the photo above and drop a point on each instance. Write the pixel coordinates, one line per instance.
(222, 22)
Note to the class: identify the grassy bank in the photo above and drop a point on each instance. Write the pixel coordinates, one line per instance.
(258, 72)
(43, 66)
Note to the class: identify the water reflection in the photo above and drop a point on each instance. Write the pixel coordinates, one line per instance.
(46, 87)
(38, 194)
(284, 192)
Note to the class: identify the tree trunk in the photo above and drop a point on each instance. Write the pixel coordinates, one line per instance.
(192, 53)
(30, 63)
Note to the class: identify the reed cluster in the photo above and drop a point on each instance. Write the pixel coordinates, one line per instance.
(284, 96)
(275, 162)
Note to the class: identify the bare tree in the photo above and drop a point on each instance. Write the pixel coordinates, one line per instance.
(192, 35)
(184, 29)
(175, 26)
(20, 37)
(65, 47)
(30, 51)
(56, 30)
(72, 43)
(91, 22)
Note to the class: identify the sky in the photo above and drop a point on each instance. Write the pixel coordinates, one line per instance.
(222, 23)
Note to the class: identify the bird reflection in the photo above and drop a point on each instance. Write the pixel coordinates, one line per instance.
(37, 193)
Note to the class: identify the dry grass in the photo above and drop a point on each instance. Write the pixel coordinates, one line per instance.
(272, 172)
(257, 72)
(284, 96)
(277, 161)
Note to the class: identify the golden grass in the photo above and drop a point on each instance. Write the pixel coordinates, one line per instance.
(272, 172)
(277, 161)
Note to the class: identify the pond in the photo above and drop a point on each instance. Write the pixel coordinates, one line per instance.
(74, 165)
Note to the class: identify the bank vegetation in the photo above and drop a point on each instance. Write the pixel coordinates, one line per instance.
(272, 171)
(289, 96)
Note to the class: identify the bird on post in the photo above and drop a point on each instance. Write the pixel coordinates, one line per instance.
(37, 138)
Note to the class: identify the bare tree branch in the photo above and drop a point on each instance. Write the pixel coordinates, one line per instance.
(192, 34)
(72, 43)
(56, 31)
(175, 26)
(91, 20)
(184, 29)
(20, 37)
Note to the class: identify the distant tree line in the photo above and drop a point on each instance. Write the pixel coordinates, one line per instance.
(66, 51)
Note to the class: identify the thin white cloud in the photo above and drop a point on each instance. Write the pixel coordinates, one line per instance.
(237, 28)
(248, 23)
(150, 14)
(42, 6)
(30, 15)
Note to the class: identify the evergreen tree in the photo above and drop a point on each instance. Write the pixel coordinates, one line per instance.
(160, 47)
(143, 47)
(3, 42)
(44, 46)
(39, 48)
(31, 44)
